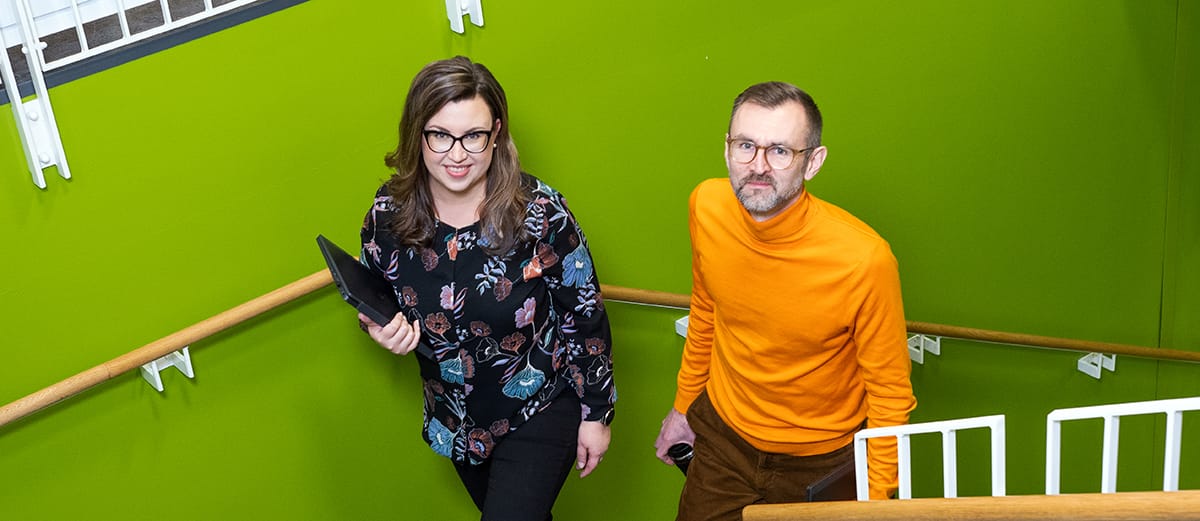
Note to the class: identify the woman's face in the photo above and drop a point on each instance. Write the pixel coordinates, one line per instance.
(457, 146)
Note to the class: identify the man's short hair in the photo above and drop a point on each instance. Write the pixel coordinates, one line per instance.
(775, 93)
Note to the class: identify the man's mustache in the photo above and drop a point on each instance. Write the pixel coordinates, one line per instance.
(758, 178)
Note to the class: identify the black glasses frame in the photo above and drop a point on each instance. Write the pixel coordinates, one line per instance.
(457, 139)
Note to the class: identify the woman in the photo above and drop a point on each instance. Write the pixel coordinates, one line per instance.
(492, 272)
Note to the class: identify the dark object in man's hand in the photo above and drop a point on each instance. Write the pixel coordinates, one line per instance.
(681, 454)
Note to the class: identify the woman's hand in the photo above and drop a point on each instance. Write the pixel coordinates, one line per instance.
(593, 443)
(398, 336)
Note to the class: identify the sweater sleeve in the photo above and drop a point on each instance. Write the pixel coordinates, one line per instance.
(880, 333)
(697, 349)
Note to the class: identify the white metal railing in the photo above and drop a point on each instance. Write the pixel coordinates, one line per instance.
(1112, 422)
(35, 117)
(26, 24)
(105, 8)
(949, 453)
(53, 16)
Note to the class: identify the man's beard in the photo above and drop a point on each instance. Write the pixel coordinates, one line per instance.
(766, 201)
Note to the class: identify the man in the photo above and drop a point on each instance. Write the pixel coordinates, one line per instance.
(796, 337)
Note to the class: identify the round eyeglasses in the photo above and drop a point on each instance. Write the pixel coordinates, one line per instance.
(441, 142)
(778, 156)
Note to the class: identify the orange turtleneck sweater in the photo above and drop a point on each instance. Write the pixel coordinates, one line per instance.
(796, 328)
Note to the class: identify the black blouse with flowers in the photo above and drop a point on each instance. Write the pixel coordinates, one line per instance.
(509, 332)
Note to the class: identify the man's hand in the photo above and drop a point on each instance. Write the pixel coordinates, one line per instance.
(675, 429)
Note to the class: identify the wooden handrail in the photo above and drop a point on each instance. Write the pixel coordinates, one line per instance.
(647, 297)
(232, 317)
(1183, 505)
(161, 347)
(1019, 339)
(674, 300)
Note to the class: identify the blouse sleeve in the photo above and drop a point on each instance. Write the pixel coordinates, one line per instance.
(582, 320)
(374, 224)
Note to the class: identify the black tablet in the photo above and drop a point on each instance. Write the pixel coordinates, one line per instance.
(838, 485)
(362, 288)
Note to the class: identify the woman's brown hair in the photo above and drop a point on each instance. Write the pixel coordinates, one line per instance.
(502, 213)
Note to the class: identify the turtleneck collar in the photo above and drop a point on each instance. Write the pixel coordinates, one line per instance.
(785, 226)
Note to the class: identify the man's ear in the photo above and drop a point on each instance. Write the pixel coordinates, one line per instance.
(725, 152)
(816, 159)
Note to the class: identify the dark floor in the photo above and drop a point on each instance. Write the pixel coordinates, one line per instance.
(105, 30)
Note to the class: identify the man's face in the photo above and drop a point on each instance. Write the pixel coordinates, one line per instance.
(763, 189)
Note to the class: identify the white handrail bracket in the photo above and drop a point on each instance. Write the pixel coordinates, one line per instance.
(919, 344)
(181, 359)
(1093, 364)
(35, 117)
(455, 9)
(681, 326)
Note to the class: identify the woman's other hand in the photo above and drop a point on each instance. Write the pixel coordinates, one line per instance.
(593, 443)
(398, 336)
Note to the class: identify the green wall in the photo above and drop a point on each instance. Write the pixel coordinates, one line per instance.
(1181, 281)
(1034, 165)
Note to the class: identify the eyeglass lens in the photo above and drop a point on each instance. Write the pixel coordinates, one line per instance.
(744, 151)
(441, 142)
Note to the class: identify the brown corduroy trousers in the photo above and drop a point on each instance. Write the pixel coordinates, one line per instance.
(727, 474)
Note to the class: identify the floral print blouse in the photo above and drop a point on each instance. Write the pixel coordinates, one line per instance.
(509, 332)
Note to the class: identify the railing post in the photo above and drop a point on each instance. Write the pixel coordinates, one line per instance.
(1108, 466)
(949, 464)
(35, 118)
(1171, 451)
(1053, 443)
(862, 485)
(999, 477)
(904, 465)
